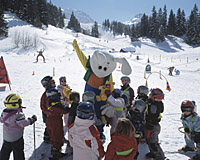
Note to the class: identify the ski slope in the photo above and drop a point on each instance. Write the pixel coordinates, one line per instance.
(61, 58)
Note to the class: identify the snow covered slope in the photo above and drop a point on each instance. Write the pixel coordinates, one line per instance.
(59, 54)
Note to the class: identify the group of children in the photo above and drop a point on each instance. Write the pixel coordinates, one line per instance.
(132, 119)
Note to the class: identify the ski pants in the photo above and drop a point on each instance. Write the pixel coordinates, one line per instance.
(17, 147)
(191, 144)
(153, 144)
(55, 130)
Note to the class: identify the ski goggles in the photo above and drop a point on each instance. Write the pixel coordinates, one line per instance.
(186, 109)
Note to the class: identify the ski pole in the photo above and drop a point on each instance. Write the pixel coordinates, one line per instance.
(34, 141)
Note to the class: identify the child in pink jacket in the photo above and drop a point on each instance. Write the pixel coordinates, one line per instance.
(84, 136)
(14, 121)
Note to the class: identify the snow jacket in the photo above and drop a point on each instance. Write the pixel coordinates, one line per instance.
(153, 113)
(191, 123)
(43, 103)
(128, 91)
(13, 124)
(85, 140)
(121, 147)
(119, 106)
(54, 123)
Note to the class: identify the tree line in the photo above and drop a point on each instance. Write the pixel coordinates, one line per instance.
(39, 13)
(157, 26)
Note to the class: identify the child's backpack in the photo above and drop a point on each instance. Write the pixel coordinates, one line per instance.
(137, 115)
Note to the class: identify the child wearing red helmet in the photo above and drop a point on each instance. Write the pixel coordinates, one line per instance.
(153, 116)
(190, 121)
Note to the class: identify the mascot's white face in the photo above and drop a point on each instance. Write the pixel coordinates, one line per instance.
(103, 64)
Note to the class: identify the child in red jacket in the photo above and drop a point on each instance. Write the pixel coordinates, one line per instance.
(54, 122)
(123, 144)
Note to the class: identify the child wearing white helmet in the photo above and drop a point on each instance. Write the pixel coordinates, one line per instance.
(127, 90)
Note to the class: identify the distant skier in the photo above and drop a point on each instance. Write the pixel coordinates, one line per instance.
(190, 121)
(14, 121)
(170, 70)
(177, 71)
(40, 53)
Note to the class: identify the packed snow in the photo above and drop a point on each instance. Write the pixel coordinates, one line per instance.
(61, 60)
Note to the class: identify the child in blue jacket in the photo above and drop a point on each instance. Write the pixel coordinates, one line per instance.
(191, 124)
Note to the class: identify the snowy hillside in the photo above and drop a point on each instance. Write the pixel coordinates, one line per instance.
(59, 54)
(134, 20)
(80, 15)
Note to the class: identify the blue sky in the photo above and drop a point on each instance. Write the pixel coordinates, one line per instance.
(124, 10)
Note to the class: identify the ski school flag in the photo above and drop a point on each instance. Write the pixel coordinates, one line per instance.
(3, 72)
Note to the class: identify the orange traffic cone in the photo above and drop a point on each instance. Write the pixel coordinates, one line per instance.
(168, 87)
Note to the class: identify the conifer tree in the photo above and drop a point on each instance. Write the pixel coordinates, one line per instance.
(192, 35)
(133, 35)
(3, 24)
(74, 24)
(171, 27)
(144, 26)
(95, 31)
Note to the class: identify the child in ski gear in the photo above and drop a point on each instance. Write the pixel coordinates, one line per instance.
(90, 96)
(75, 98)
(127, 90)
(54, 121)
(191, 121)
(40, 54)
(137, 117)
(48, 83)
(63, 88)
(142, 93)
(118, 104)
(84, 136)
(123, 144)
(14, 121)
(153, 116)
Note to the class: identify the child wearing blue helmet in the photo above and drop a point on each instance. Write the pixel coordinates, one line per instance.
(84, 136)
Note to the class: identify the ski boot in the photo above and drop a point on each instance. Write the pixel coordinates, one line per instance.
(187, 149)
(46, 137)
(196, 157)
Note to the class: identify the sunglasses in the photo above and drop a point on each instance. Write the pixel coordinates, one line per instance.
(63, 81)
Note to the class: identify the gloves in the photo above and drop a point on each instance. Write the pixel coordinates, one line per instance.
(187, 130)
(32, 119)
(107, 93)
